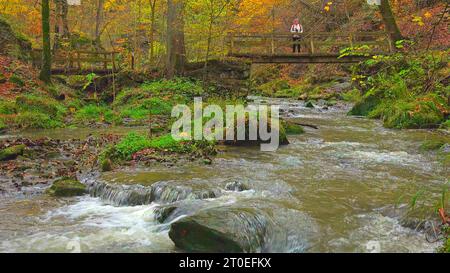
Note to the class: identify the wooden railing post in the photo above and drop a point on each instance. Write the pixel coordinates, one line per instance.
(70, 59)
(79, 60)
(231, 44)
(113, 57)
(272, 44)
(105, 63)
(312, 43)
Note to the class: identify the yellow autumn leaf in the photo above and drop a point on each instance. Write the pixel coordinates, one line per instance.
(326, 8)
(330, 3)
(428, 15)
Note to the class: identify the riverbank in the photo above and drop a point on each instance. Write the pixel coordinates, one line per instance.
(308, 188)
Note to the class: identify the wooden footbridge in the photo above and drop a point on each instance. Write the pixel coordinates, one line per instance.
(80, 62)
(316, 47)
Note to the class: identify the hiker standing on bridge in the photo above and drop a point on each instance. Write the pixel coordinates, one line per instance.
(296, 28)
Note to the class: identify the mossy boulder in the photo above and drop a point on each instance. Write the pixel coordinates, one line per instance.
(11, 153)
(432, 145)
(282, 136)
(309, 104)
(222, 230)
(293, 129)
(365, 106)
(67, 187)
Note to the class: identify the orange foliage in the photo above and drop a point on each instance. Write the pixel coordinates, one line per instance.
(256, 15)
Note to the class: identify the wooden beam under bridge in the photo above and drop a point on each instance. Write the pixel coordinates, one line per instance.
(300, 58)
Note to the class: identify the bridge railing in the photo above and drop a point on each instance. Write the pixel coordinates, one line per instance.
(311, 43)
(79, 60)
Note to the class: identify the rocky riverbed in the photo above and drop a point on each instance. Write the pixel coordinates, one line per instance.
(340, 187)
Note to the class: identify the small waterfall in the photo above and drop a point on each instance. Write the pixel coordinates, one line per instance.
(136, 195)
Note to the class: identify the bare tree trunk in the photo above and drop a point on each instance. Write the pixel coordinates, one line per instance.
(176, 50)
(389, 21)
(98, 22)
(62, 24)
(46, 50)
(208, 47)
(152, 29)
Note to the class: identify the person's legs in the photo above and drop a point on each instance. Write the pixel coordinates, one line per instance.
(294, 46)
(298, 45)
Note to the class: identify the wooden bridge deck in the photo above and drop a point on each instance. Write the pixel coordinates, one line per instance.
(80, 62)
(300, 58)
(318, 47)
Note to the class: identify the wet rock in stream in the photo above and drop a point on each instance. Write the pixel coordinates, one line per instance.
(164, 192)
(249, 226)
(418, 220)
(67, 187)
(11, 153)
(236, 186)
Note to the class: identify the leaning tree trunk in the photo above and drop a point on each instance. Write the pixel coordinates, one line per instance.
(389, 21)
(46, 50)
(176, 50)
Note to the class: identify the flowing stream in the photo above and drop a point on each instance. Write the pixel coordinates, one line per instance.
(331, 186)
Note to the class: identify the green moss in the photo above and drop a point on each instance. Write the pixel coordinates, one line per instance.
(3, 126)
(132, 144)
(331, 102)
(11, 153)
(432, 145)
(179, 90)
(67, 187)
(447, 246)
(94, 113)
(365, 106)
(293, 129)
(7, 107)
(141, 110)
(397, 88)
(73, 104)
(353, 95)
(166, 142)
(309, 104)
(179, 86)
(446, 124)
(36, 120)
(135, 142)
(16, 80)
(41, 104)
(402, 114)
(274, 86)
(288, 93)
(106, 165)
